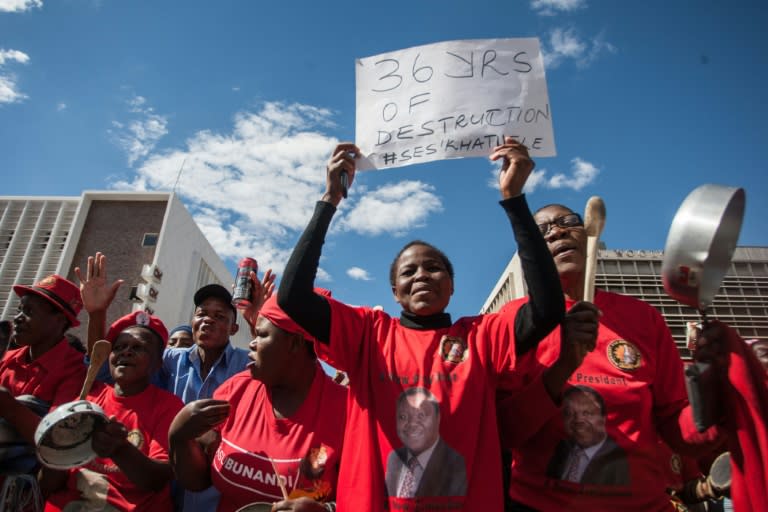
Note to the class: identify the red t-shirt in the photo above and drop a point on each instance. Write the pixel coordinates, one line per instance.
(100, 484)
(638, 372)
(55, 377)
(304, 448)
(461, 366)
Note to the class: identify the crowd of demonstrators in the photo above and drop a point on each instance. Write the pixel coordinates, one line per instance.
(581, 395)
(194, 372)
(600, 453)
(282, 418)
(390, 449)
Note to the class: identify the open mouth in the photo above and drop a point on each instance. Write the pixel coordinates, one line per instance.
(562, 248)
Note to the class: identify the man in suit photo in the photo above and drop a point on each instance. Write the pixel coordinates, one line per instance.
(425, 465)
(589, 455)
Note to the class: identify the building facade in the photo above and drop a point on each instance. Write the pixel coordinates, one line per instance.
(741, 302)
(150, 239)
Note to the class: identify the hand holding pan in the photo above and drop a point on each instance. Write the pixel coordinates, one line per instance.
(63, 437)
(594, 222)
(697, 255)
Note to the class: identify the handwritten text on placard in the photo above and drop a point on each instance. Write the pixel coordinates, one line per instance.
(451, 100)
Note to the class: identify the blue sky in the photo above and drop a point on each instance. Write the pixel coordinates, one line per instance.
(649, 100)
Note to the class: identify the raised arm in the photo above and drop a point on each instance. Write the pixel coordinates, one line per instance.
(295, 295)
(260, 292)
(545, 308)
(96, 295)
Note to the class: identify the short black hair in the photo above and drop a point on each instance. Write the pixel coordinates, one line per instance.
(441, 255)
(554, 205)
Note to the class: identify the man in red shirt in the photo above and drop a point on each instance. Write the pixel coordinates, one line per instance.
(44, 365)
(44, 371)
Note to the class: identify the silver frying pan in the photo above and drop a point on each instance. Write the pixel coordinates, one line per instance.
(701, 243)
(699, 249)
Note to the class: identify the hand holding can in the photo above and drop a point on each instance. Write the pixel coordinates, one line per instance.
(241, 296)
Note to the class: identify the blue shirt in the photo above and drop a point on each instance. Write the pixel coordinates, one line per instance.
(181, 369)
(183, 378)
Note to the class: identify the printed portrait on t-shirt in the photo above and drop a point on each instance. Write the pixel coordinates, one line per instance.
(425, 465)
(589, 455)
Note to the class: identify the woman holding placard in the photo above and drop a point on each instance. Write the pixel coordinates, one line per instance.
(422, 387)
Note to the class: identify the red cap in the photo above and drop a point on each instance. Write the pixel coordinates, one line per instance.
(142, 319)
(62, 293)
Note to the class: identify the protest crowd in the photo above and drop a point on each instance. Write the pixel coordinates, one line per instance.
(481, 413)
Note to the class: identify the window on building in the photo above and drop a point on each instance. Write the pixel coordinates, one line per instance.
(150, 239)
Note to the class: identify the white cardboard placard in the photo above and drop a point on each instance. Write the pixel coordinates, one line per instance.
(453, 99)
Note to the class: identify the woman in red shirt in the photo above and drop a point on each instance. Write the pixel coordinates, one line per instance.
(271, 434)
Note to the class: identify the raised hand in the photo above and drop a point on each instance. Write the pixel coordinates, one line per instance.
(197, 418)
(261, 291)
(96, 294)
(342, 159)
(516, 167)
(109, 438)
(578, 336)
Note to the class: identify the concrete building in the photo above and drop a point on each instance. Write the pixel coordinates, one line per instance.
(742, 301)
(150, 239)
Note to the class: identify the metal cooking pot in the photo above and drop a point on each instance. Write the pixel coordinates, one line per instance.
(63, 437)
(701, 243)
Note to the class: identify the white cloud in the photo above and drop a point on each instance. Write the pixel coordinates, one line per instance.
(323, 276)
(13, 55)
(61, 106)
(566, 44)
(19, 5)
(394, 208)
(582, 173)
(537, 178)
(552, 7)
(139, 136)
(9, 92)
(253, 189)
(359, 274)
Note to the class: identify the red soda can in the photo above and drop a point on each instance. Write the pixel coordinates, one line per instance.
(241, 296)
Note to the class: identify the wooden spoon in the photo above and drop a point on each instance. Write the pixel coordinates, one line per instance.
(594, 222)
(99, 354)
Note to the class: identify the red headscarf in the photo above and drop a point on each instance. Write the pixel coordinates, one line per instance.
(272, 312)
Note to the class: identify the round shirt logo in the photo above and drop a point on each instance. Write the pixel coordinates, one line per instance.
(624, 355)
(453, 349)
(136, 438)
